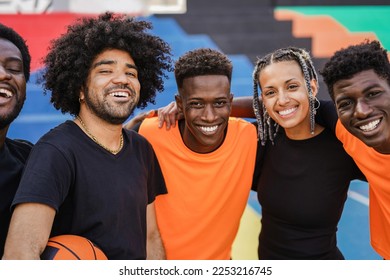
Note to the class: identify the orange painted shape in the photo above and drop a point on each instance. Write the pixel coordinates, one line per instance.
(327, 34)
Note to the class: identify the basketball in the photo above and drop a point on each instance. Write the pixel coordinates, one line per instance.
(71, 247)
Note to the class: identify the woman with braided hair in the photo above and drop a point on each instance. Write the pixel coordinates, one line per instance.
(267, 126)
(303, 173)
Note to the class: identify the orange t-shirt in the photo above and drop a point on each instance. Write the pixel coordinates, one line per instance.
(376, 168)
(207, 193)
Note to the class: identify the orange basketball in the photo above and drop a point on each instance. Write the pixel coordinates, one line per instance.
(71, 247)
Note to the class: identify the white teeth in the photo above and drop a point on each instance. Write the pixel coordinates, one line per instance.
(209, 128)
(288, 111)
(119, 94)
(7, 93)
(370, 126)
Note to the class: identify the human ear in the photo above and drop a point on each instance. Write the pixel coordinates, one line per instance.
(82, 94)
(314, 86)
(179, 103)
(231, 96)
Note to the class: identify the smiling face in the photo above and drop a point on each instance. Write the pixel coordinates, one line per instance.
(363, 106)
(112, 89)
(12, 83)
(205, 102)
(285, 97)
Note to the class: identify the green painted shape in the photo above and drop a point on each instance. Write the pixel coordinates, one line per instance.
(374, 19)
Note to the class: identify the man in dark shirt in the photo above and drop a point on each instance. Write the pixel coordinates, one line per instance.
(14, 73)
(88, 176)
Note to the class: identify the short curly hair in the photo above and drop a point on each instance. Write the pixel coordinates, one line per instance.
(11, 35)
(70, 57)
(347, 62)
(202, 61)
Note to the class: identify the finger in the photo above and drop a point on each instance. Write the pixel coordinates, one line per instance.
(163, 115)
(160, 118)
(172, 119)
(167, 122)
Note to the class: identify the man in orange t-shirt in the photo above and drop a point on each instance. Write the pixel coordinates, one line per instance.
(358, 80)
(207, 159)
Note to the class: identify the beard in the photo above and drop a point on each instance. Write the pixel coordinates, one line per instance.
(7, 119)
(111, 113)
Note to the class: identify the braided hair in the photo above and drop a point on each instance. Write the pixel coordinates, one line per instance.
(268, 128)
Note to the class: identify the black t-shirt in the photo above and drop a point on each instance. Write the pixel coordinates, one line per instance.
(13, 157)
(302, 187)
(96, 194)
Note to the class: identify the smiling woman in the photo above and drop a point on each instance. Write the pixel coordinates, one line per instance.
(302, 171)
(285, 98)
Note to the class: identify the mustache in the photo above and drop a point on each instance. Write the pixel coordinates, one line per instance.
(107, 90)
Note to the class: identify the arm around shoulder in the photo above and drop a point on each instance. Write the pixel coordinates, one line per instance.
(135, 122)
(242, 107)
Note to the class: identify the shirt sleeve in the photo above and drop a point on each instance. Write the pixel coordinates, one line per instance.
(46, 178)
(156, 182)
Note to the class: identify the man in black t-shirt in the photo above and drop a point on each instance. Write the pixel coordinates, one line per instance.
(88, 176)
(14, 73)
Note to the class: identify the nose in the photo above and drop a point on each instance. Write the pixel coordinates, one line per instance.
(208, 114)
(4, 74)
(362, 109)
(121, 78)
(283, 98)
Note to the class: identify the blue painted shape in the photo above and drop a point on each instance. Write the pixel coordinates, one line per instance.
(353, 234)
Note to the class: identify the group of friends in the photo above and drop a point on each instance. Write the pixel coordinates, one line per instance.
(174, 185)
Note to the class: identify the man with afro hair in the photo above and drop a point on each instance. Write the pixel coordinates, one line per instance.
(89, 176)
(358, 80)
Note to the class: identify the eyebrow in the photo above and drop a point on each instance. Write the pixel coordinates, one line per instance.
(364, 91)
(110, 62)
(285, 82)
(291, 79)
(14, 58)
(371, 86)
